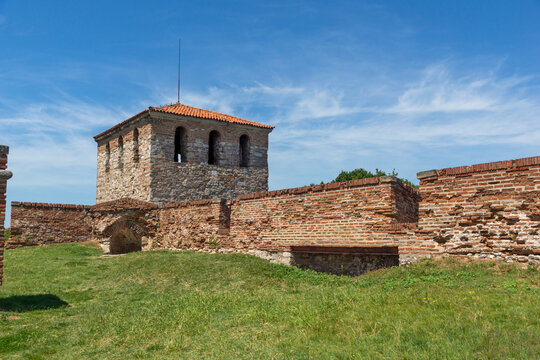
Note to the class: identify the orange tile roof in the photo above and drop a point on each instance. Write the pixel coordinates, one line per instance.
(185, 110)
(190, 111)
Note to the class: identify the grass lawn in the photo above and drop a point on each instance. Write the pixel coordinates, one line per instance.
(68, 302)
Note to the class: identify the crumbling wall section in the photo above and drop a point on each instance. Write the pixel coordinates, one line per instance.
(487, 210)
(193, 225)
(124, 216)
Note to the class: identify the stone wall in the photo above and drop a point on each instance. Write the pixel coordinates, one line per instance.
(4, 176)
(124, 172)
(487, 210)
(124, 225)
(190, 182)
(145, 169)
(39, 224)
(195, 179)
(274, 225)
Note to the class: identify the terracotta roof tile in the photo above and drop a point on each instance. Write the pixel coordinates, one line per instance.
(190, 111)
(185, 110)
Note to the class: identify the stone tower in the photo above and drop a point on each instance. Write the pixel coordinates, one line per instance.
(177, 153)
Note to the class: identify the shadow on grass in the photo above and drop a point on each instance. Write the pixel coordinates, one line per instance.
(23, 303)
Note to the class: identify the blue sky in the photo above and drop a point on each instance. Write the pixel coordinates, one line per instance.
(405, 85)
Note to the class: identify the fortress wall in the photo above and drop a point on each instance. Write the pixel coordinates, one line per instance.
(4, 150)
(487, 210)
(353, 218)
(39, 224)
(357, 213)
(193, 225)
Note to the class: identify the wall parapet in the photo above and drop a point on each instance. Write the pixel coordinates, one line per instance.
(48, 205)
(122, 204)
(478, 168)
(328, 187)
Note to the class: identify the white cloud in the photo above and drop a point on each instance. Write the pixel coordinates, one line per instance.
(439, 91)
(320, 128)
(51, 143)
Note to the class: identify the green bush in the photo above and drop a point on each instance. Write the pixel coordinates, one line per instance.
(364, 174)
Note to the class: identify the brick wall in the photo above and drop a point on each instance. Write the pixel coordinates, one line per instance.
(4, 176)
(487, 210)
(196, 179)
(39, 224)
(357, 213)
(196, 225)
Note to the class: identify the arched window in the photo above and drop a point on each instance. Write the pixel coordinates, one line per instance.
(120, 146)
(136, 145)
(244, 151)
(107, 157)
(120, 152)
(213, 148)
(180, 145)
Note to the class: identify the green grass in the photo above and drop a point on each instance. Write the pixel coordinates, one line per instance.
(67, 302)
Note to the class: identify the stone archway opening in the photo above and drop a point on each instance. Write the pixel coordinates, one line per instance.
(125, 241)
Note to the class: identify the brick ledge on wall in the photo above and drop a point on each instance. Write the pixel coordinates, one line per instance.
(477, 168)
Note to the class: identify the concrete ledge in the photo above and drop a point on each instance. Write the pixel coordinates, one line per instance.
(5, 174)
(4, 150)
(426, 174)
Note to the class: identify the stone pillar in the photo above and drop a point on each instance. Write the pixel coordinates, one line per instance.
(4, 176)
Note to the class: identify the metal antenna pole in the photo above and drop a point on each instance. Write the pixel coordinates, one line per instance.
(179, 53)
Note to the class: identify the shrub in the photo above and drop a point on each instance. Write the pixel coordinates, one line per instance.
(363, 174)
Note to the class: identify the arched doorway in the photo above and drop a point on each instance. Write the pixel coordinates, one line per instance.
(125, 241)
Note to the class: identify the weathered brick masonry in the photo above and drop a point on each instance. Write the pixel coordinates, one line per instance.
(350, 214)
(487, 210)
(193, 225)
(123, 225)
(40, 224)
(357, 213)
(4, 176)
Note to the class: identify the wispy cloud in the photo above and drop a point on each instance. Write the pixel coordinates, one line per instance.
(320, 128)
(439, 91)
(51, 143)
(324, 128)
